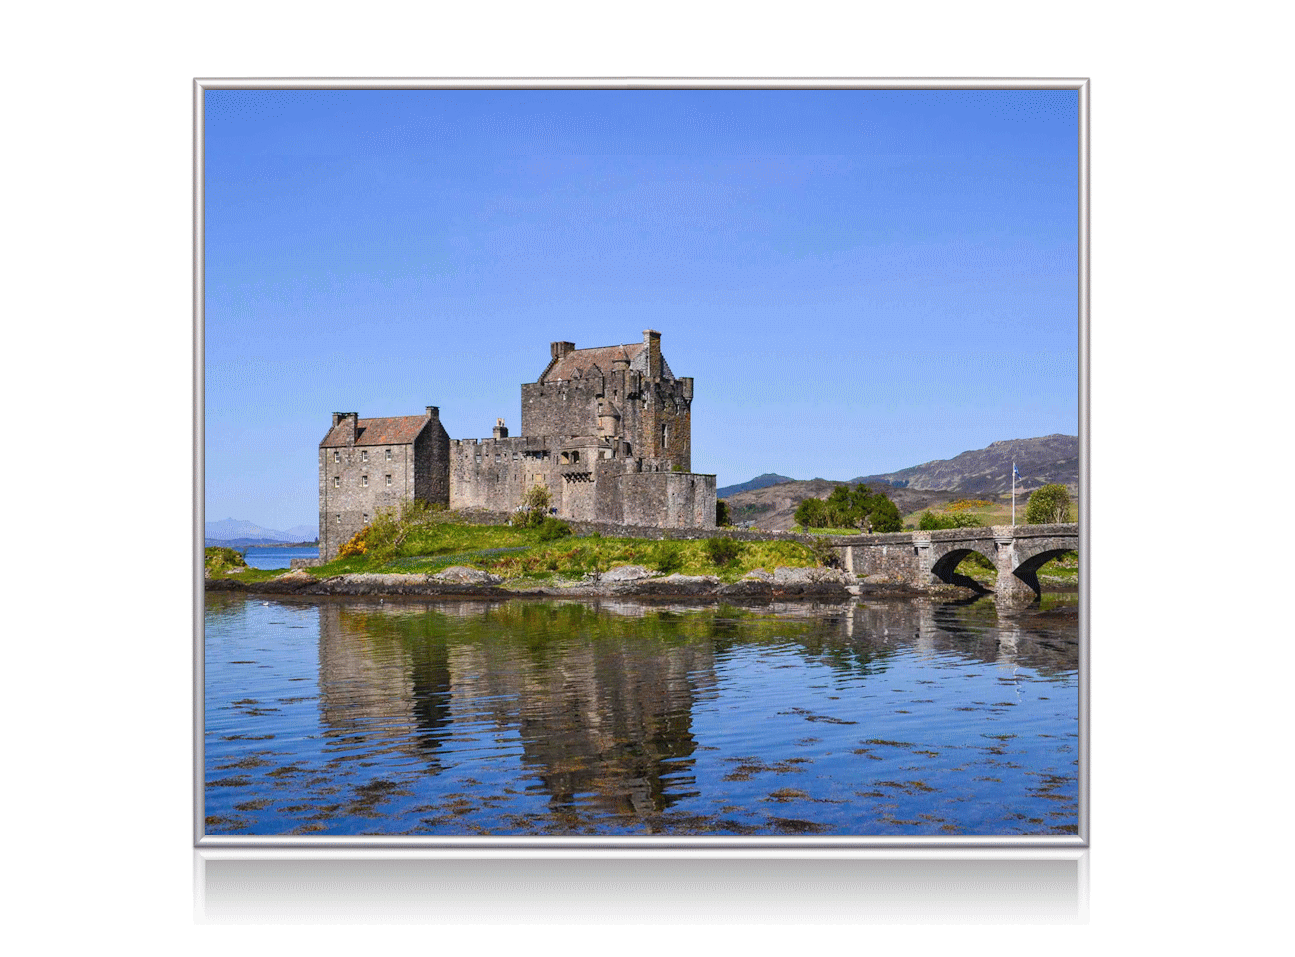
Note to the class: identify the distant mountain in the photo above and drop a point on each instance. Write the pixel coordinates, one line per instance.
(1045, 460)
(984, 473)
(760, 481)
(231, 530)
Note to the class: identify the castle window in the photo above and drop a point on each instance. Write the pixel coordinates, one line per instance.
(388, 479)
(665, 435)
(339, 518)
(337, 481)
(388, 455)
(337, 456)
(364, 456)
(366, 518)
(364, 480)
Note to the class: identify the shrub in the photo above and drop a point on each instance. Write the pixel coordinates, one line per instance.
(219, 558)
(722, 550)
(551, 529)
(931, 521)
(535, 504)
(722, 516)
(1048, 505)
(824, 553)
(669, 558)
(358, 544)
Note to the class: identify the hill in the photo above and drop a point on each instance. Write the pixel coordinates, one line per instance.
(983, 473)
(239, 531)
(760, 481)
(1041, 461)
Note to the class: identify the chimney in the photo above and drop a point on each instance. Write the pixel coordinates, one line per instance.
(652, 339)
(501, 430)
(349, 421)
(559, 349)
(434, 413)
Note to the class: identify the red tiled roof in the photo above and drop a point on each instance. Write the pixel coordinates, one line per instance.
(399, 430)
(585, 360)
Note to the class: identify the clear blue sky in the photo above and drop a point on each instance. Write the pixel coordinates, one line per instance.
(858, 280)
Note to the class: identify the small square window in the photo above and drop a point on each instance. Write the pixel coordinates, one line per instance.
(337, 456)
(364, 480)
(388, 479)
(388, 455)
(337, 481)
(364, 456)
(339, 518)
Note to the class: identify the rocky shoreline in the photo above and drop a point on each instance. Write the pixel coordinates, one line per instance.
(631, 581)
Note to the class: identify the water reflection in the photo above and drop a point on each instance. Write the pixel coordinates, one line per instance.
(570, 717)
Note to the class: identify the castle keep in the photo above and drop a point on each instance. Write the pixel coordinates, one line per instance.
(607, 430)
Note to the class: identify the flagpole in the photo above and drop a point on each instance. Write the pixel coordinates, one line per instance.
(1013, 493)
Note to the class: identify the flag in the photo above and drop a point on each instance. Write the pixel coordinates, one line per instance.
(1015, 471)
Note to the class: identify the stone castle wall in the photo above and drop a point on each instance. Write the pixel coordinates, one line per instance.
(614, 445)
(356, 482)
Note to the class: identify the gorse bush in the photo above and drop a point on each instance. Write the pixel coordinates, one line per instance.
(381, 539)
(358, 544)
(962, 504)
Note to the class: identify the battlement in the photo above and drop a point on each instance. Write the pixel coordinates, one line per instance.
(606, 430)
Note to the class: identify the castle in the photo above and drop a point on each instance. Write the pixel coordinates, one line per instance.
(607, 430)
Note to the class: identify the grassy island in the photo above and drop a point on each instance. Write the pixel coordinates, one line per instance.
(422, 541)
(540, 551)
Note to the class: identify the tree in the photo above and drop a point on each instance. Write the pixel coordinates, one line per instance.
(536, 503)
(1048, 505)
(850, 509)
(722, 517)
(885, 515)
(811, 513)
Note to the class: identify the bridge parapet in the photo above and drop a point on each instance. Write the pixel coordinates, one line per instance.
(931, 558)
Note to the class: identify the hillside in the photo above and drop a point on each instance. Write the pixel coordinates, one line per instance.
(243, 532)
(1041, 461)
(983, 473)
(760, 481)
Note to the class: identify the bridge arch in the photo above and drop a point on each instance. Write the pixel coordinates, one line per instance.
(931, 558)
(945, 566)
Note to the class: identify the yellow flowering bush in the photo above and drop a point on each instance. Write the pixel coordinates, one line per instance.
(358, 545)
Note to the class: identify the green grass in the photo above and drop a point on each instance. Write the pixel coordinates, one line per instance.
(518, 555)
(521, 559)
(997, 513)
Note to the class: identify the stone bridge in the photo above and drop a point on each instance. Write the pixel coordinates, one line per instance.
(928, 559)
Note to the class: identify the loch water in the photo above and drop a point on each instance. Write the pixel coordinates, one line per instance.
(524, 717)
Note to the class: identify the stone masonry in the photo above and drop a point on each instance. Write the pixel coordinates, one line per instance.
(607, 430)
(370, 464)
